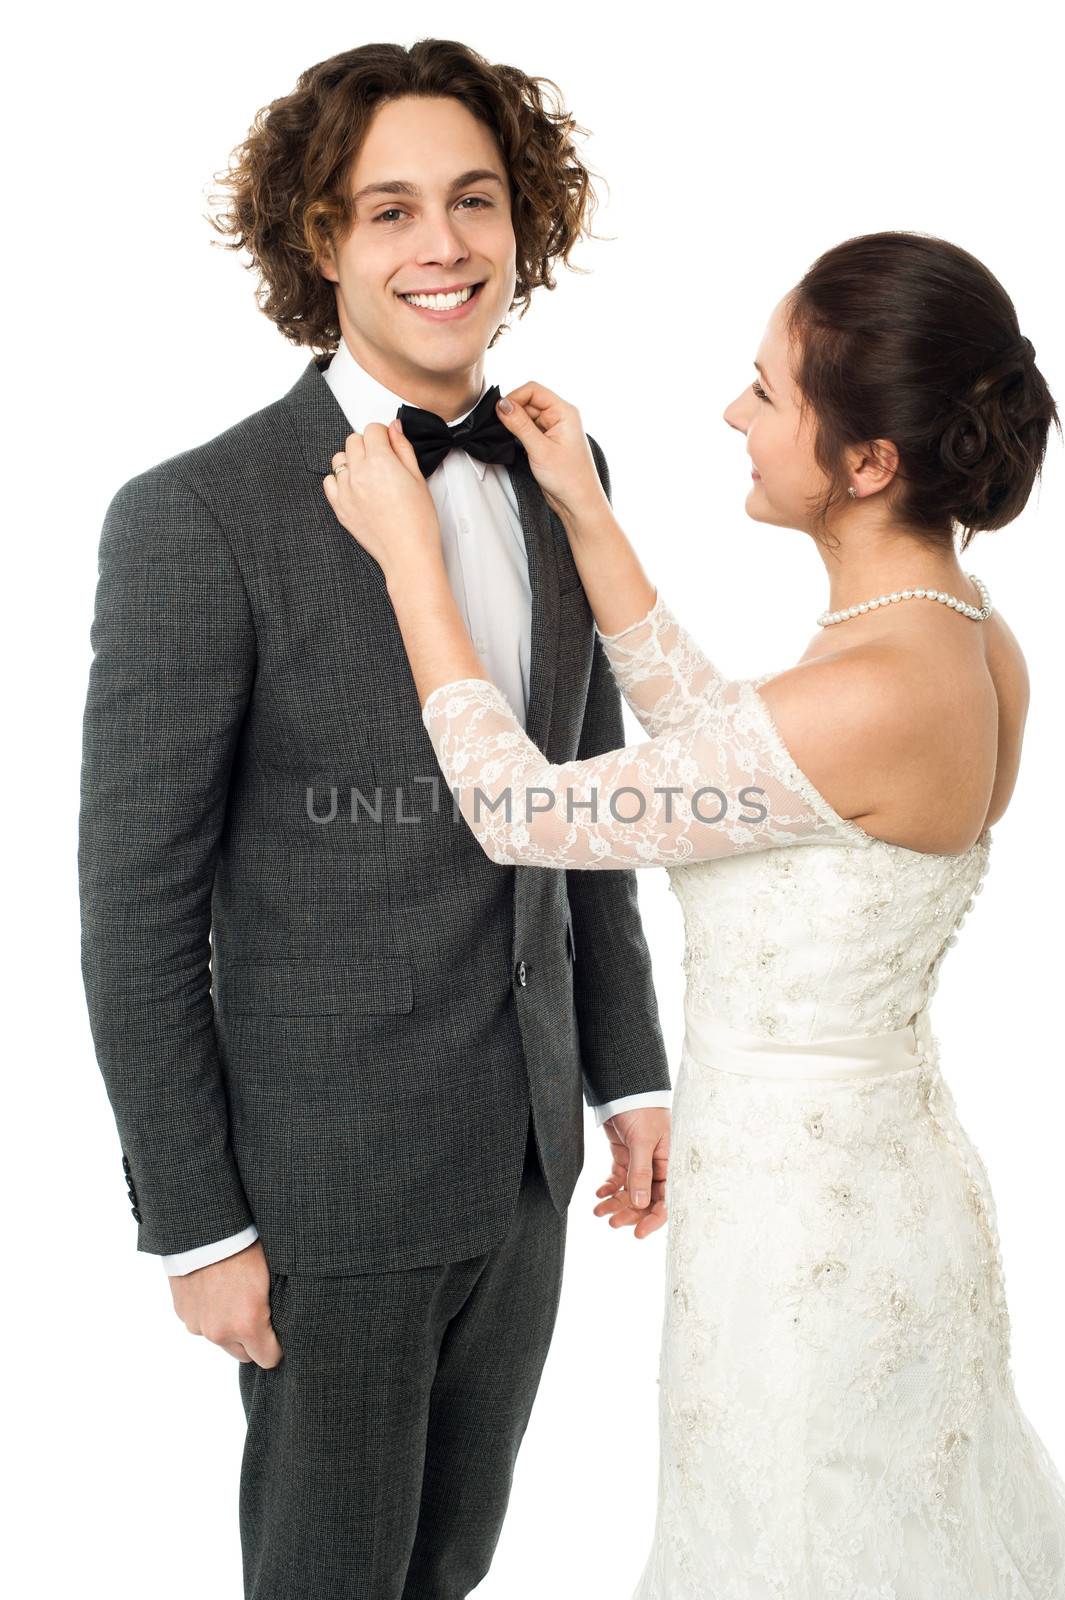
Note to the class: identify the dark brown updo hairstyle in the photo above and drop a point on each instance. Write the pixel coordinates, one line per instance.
(905, 337)
(286, 192)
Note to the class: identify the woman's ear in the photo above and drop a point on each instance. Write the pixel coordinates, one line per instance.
(873, 466)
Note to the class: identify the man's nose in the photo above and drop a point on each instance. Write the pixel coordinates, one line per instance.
(441, 241)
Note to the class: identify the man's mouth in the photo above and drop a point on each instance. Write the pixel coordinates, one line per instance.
(442, 299)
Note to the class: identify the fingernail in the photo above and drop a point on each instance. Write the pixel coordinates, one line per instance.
(505, 405)
(397, 424)
(641, 1197)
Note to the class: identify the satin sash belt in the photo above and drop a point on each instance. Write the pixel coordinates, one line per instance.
(869, 1055)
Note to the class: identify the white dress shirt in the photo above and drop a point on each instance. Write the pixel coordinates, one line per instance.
(488, 571)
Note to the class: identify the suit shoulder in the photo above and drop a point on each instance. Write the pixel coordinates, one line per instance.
(207, 471)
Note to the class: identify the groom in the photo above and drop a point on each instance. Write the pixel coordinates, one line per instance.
(345, 1051)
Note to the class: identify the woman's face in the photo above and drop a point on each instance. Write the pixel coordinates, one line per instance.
(786, 479)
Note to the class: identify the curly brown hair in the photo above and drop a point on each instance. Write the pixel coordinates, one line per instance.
(287, 190)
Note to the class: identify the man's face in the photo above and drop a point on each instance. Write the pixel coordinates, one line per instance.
(432, 214)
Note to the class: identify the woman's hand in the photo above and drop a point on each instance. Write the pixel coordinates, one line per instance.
(558, 450)
(381, 498)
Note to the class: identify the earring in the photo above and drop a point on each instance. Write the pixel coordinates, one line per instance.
(852, 491)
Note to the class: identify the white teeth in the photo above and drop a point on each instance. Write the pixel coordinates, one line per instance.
(439, 302)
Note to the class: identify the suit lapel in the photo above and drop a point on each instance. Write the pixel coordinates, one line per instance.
(543, 582)
(321, 428)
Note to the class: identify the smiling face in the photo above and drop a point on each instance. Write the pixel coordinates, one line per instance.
(786, 478)
(432, 215)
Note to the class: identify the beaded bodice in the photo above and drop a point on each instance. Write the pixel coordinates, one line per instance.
(823, 942)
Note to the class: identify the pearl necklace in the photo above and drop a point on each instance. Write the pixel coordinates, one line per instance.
(978, 613)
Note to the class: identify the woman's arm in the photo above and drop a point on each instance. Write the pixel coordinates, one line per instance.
(659, 668)
(721, 784)
(724, 785)
(661, 671)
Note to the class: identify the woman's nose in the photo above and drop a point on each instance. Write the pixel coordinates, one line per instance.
(733, 415)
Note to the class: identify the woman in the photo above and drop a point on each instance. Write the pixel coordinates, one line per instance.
(837, 1410)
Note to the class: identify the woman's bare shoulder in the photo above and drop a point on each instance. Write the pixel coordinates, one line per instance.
(899, 739)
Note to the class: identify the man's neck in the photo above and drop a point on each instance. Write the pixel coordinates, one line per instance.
(448, 394)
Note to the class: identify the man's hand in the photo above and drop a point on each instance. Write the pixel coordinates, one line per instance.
(229, 1303)
(636, 1188)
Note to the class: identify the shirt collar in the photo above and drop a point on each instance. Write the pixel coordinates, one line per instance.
(362, 399)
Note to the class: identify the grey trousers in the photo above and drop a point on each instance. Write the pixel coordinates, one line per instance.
(379, 1452)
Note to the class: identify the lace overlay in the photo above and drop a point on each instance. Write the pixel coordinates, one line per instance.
(713, 780)
(837, 1413)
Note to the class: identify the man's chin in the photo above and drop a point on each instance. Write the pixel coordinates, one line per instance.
(441, 350)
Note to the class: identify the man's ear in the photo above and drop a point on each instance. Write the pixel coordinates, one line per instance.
(327, 265)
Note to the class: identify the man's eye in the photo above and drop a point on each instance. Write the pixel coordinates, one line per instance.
(467, 200)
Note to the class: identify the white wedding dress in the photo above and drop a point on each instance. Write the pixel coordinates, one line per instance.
(838, 1418)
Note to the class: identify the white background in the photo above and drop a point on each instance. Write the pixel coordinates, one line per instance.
(738, 145)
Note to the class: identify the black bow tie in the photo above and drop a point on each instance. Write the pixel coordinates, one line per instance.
(481, 434)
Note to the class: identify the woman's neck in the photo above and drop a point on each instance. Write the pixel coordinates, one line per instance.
(883, 561)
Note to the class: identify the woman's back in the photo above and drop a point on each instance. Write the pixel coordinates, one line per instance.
(946, 701)
(829, 940)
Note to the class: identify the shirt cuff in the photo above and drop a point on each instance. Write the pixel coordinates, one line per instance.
(632, 1102)
(204, 1255)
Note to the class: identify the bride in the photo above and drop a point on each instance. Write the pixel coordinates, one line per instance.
(837, 1410)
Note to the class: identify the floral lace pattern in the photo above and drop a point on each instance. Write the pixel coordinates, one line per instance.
(837, 1413)
(714, 779)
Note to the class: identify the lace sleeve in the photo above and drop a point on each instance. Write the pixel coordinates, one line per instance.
(661, 671)
(721, 785)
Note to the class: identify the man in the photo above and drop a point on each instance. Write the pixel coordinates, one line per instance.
(345, 1051)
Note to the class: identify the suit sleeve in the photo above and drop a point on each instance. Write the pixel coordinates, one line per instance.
(622, 1049)
(173, 667)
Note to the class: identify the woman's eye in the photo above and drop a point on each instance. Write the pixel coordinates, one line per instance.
(759, 391)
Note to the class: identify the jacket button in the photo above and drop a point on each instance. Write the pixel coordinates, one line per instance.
(125, 1164)
(522, 969)
(136, 1213)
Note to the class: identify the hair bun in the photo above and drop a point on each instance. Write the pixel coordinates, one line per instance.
(964, 441)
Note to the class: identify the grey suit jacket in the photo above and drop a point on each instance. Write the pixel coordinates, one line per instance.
(332, 1028)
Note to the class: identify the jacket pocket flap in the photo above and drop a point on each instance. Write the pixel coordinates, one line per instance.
(299, 988)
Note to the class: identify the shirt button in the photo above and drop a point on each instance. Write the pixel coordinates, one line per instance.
(522, 969)
(479, 644)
